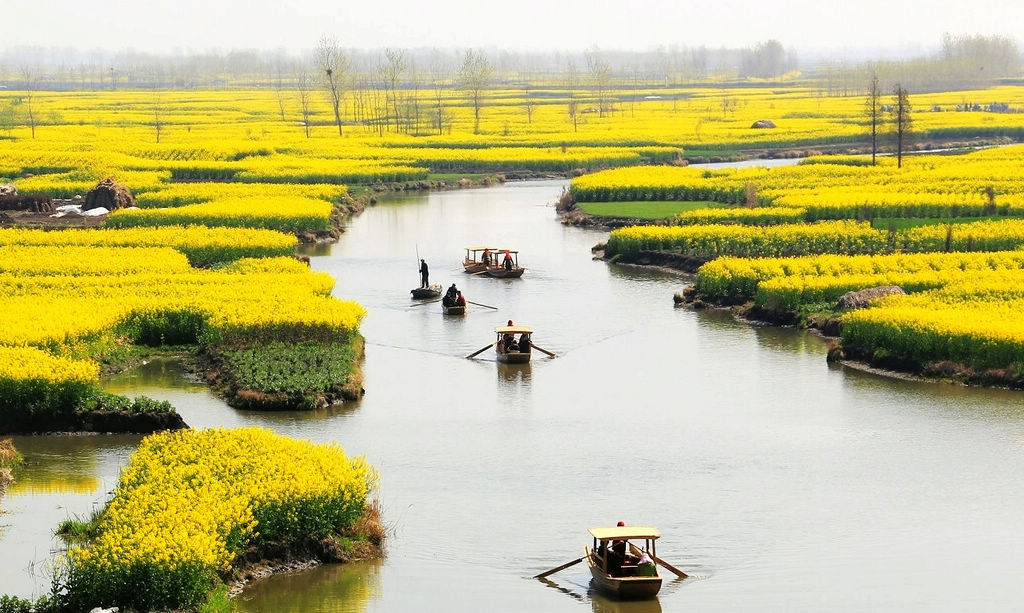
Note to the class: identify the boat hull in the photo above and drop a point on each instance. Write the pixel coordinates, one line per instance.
(473, 267)
(454, 310)
(424, 293)
(514, 358)
(626, 588)
(501, 273)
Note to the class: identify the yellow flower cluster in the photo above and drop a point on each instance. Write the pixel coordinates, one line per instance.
(74, 260)
(948, 324)
(195, 499)
(285, 214)
(974, 184)
(29, 363)
(270, 299)
(201, 244)
(711, 241)
(789, 282)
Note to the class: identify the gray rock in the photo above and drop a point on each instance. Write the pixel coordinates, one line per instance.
(861, 298)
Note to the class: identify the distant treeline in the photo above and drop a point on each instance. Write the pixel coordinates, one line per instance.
(961, 62)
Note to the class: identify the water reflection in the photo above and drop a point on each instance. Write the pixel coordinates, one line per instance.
(332, 588)
(161, 372)
(64, 464)
(602, 604)
(514, 374)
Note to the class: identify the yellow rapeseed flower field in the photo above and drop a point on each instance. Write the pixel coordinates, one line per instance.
(189, 502)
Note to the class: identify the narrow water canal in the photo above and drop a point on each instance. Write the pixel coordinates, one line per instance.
(778, 483)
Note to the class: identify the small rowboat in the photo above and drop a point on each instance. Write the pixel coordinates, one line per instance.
(514, 355)
(426, 293)
(473, 262)
(619, 568)
(510, 270)
(455, 309)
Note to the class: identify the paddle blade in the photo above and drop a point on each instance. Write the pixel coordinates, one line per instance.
(673, 569)
(479, 351)
(555, 570)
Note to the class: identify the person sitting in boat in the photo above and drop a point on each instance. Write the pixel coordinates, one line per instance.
(508, 342)
(645, 566)
(507, 262)
(617, 554)
(524, 343)
(460, 300)
(449, 296)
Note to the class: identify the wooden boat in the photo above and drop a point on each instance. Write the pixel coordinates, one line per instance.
(473, 263)
(455, 309)
(425, 293)
(498, 271)
(615, 562)
(514, 356)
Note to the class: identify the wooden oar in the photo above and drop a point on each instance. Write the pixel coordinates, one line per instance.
(482, 272)
(675, 570)
(479, 351)
(555, 570)
(427, 302)
(483, 305)
(543, 350)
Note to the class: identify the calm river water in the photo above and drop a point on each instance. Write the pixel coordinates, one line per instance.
(778, 483)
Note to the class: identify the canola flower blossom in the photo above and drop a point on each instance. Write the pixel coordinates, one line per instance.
(190, 501)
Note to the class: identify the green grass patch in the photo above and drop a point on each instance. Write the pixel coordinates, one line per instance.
(662, 209)
(280, 368)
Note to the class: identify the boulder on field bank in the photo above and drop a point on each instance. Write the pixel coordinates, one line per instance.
(108, 194)
(763, 123)
(861, 298)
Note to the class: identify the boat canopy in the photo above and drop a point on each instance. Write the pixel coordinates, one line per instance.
(624, 533)
(513, 330)
(481, 249)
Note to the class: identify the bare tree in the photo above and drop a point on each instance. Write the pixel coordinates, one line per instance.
(279, 90)
(474, 76)
(528, 105)
(873, 109)
(439, 77)
(901, 121)
(601, 79)
(391, 72)
(572, 81)
(302, 87)
(333, 65)
(30, 85)
(158, 110)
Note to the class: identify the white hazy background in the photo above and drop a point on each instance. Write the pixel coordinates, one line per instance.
(188, 26)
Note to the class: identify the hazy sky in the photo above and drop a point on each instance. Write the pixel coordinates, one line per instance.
(295, 25)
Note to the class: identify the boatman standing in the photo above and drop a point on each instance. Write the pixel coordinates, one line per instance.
(424, 274)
